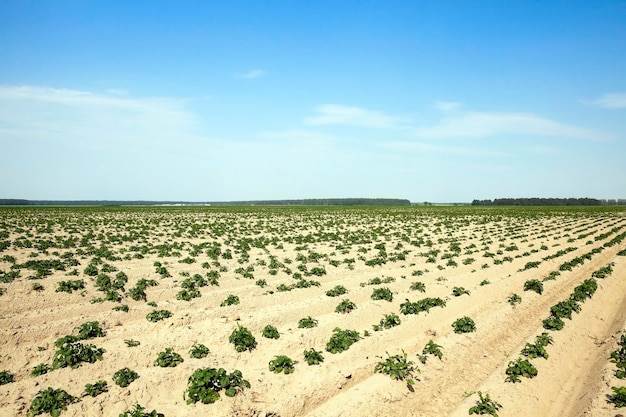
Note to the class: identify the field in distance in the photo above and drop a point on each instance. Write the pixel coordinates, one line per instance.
(312, 311)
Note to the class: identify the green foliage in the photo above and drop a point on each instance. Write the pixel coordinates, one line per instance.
(533, 351)
(282, 363)
(157, 315)
(89, 330)
(132, 342)
(73, 354)
(205, 384)
(431, 348)
(464, 325)
(270, 332)
(124, 377)
(514, 299)
(397, 367)
(458, 291)
(168, 359)
(230, 300)
(242, 339)
(485, 405)
(91, 270)
(96, 389)
(520, 367)
(307, 323)
(418, 306)
(618, 398)
(51, 401)
(345, 306)
(564, 309)
(6, 377)
(584, 290)
(618, 357)
(387, 322)
(42, 368)
(140, 411)
(341, 340)
(534, 285)
(199, 351)
(313, 357)
(123, 308)
(70, 286)
(553, 323)
(337, 291)
(418, 286)
(382, 294)
(484, 282)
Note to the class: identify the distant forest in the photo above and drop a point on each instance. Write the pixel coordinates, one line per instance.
(549, 202)
(305, 202)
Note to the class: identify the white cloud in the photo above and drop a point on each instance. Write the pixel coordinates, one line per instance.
(610, 101)
(257, 73)
(334, 114)
(82, 117)
(485, 124)
(447, 106)
(421, 147)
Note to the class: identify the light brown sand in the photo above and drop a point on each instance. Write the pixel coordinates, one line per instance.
(574, 380)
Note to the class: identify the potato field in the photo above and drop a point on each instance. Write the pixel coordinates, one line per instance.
(312, 311)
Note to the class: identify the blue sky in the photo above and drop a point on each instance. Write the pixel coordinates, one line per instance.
(243, 100)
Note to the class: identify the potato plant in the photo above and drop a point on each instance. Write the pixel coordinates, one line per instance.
(464, 325)
(96, 388)
(199, 351)
(485, 405)
(124, 377)
(282, 363)
(270, 332)
(51, 401)
(341, 340)
(205, 384)
(313, 357)
(398, 367)
(168, 359)
(242, 339)
(140, 411)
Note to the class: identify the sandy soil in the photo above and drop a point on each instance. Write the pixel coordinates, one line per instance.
(573, 381)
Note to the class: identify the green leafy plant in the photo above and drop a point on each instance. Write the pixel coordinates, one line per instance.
(534, 285)
(6, 377)
(618, 398)
(464, 325)
(270, 332)
(387, 322)
(157, 315)
(199, 351)
(124, 377)
(242, 339)
(564, 309)
(205, 384)
(533, 351)
(398, 367)
(124, 308)
(520, 367)
(336, 291)
(132, 342)
(514, 299)
(96, 388)
(458, 291)
(345, 306)
(140, 411)
(41, 369)
(431, 348)
(382, 294)
(70, 286)
(418, 286)
(51, 401)
(307, 323)
(230, 300)
(485, 405)
(89, 330)
(74, 354)
(553, 323)
(341, 340)
(418, 306)
(313, 357)
(168, 359)
(282, 363)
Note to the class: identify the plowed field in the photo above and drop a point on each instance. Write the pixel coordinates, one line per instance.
(280, 263)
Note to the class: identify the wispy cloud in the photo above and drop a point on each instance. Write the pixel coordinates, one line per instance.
(447, 105)
(422, 147)
(85, 117)
(609, 101)
(334, 114)
(486, 124)
(250, 75)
